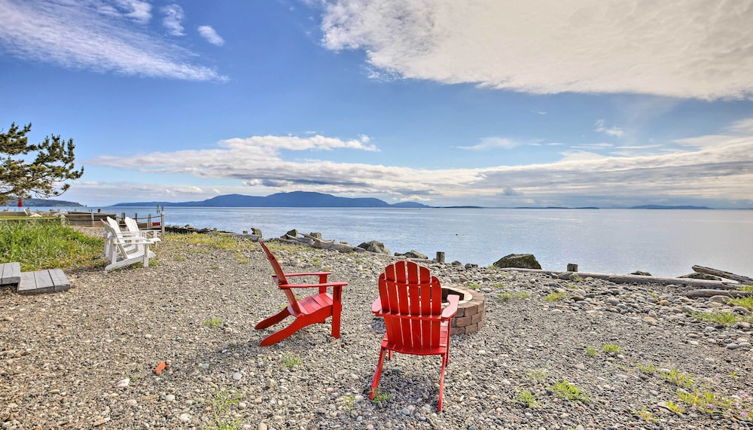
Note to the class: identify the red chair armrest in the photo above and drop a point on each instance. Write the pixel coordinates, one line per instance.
(376, 307)
(327, 284)
(452, 308)
(307, 274)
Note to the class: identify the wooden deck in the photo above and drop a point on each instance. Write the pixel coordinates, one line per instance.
(41, 281)
(10, 273)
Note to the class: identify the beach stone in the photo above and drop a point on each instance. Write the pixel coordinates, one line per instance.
(704, 276)
(375, 246)
(185, 418)
(718, 299)
(522, 261)
(641, 273)
(123, 383)
(412, 254)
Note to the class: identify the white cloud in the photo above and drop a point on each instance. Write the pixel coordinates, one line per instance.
(721, 171)
(211, 35)
(93, 35)
(695, 48)
(601, 127)
(491, 143)
(173, 19)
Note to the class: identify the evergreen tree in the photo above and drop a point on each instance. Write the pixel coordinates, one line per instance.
(43, 174)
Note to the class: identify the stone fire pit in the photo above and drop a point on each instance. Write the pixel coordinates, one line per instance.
(470, 316)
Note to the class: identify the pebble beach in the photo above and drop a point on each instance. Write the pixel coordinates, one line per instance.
(553, 353)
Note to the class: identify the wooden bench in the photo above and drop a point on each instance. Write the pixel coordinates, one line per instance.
(10, 273)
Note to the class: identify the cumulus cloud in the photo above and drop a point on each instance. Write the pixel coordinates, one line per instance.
(723, 170)
(689, 49)
(94, 35)
(173, 19)
(210, 35)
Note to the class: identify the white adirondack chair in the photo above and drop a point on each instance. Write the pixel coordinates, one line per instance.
(133, 227)
(124, 248)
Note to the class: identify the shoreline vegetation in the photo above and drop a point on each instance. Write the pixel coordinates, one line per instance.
(562, 353)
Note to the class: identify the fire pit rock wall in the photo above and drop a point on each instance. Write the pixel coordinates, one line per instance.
(471, 309)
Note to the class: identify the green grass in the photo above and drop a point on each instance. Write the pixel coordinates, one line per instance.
(538, 374)
(214, 240)
(212, 322)
(349, 402)
(220, 405)
(380, 397)
(675, 408)
(646, 368)
(724, 318)
(473, 286)
(510, 295)
(676, 377)
(554, 297)
(611, 349)
(568, 391)
(499, 285)
(746, 302)
(705, 401)
(290, 360)
(591, 351)
(644, 414)
(48, 245)
(527, 399)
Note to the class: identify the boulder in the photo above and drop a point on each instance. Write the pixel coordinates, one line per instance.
(641, 273)
(292, 233)
(256, 231)
(412, 254)
(315, 235)
(522, 261)
(375, 246)
(705, 276)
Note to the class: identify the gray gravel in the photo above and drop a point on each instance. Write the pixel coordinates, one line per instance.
(83, 358)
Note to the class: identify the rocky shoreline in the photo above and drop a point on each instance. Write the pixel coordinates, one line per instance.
(554, 353)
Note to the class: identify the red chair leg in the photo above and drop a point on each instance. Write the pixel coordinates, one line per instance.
(274, 319)
(336, 309)
(284, 333)
(377, 375)
(441, 383)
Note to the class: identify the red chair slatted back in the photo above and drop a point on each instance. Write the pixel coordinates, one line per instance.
(281, 279)
(405, 288)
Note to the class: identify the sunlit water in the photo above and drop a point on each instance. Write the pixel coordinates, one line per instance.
(663, 242)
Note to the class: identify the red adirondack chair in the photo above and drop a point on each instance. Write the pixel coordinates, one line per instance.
(314, 309)
(410, 301)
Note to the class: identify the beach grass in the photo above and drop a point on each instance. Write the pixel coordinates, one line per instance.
(48, 245)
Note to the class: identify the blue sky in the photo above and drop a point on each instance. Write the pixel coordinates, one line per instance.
(586, 103)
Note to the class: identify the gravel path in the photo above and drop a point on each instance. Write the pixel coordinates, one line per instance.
(83, 358)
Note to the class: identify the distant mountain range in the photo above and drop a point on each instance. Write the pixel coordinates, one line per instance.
(668, 207)
(305, 199)
(293, 199)
(43, 202)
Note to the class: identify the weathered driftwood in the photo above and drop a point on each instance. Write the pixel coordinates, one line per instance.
(712, 293)
(723, 274)
(635, 279)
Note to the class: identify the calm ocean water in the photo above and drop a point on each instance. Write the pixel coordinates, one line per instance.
(663, 242)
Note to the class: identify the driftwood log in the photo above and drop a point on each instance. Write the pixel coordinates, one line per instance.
(712, 293)
(723, 274)
(636, 279)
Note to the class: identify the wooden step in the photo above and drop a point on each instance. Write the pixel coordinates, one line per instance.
(43, 281)
(10, 273)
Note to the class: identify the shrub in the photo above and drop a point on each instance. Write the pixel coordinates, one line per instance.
(568, 391)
